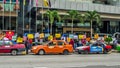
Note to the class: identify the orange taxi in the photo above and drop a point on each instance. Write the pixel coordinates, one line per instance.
(53, 47)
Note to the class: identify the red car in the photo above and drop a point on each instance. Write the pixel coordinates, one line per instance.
(9, 47)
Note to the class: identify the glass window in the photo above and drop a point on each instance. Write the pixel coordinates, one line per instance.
(52, 44)
(1, 43)
(60, 43)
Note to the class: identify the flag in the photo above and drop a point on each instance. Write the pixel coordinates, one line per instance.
(36, 2)
(24, 2)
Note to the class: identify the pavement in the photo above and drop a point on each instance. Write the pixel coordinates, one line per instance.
(61, 61)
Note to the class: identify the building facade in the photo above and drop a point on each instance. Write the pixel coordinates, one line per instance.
(109, 11)
(8, 15)
(30, 16)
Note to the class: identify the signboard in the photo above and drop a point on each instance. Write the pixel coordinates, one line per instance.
(41, 35)
(19, 40)
(75, 36)
(9, 34)
(50, 37)
(30, 36)
(47, 35)
(65, 35)
(57, 35)
(14, 38)
(71, 36)
(81, 36)
(96, 36)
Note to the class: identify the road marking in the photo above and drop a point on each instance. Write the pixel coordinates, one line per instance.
(40, 67)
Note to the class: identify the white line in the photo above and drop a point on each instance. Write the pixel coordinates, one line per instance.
(40, 67)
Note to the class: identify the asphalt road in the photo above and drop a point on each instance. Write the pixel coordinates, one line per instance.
(61, 61)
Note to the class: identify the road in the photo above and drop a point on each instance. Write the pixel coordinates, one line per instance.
(61, 61)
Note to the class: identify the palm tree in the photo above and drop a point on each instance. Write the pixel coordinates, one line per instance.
(52, 15)
(82, 18)
(93, 16)
(72, 14)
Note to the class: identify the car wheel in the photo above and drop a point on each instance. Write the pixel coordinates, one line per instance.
(65, 52)
(41, 52)
(86, 52)
(79, 52)
(14, 52)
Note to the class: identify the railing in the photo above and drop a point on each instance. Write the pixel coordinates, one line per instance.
(80, 6)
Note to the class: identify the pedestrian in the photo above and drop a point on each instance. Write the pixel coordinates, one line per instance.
(30, 43)
(26, 45)
(72, 42)
(36, 38)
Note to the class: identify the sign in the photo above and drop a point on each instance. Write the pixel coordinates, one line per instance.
(57, 35)
(96, 36)
(75, 37)
(14, 38)
(19, 40)
(50, 37)
(41, 35)
(81, 36)
(30, 36)
(71, 36)
(47, 35)
(9, 34)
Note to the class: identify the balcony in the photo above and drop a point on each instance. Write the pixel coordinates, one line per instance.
(80, 6)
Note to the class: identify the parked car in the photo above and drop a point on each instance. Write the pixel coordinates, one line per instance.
(53, 47)
(9, 47)
(97, 47)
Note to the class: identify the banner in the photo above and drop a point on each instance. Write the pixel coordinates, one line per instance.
(30, 36)
(71, 36)
(50, 37)
(57, 35)
(81, 36)
(14, 38)
(47, 35)
(96, 36)
(41, 35)
(9, 34)
(19, 40)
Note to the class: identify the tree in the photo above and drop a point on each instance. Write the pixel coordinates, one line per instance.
(72, 14)
(108, 40)
(92, 16)
(52, 15)
(81, 18)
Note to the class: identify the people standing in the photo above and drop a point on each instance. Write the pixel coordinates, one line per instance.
(26, 45)
(36, 37)
(72, 42)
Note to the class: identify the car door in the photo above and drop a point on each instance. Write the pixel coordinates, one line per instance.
(1, 47)
(95, 48)
(51, 47)
(6, 47)
(60, 46)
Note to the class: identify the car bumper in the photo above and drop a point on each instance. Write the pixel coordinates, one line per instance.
(33, 51)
